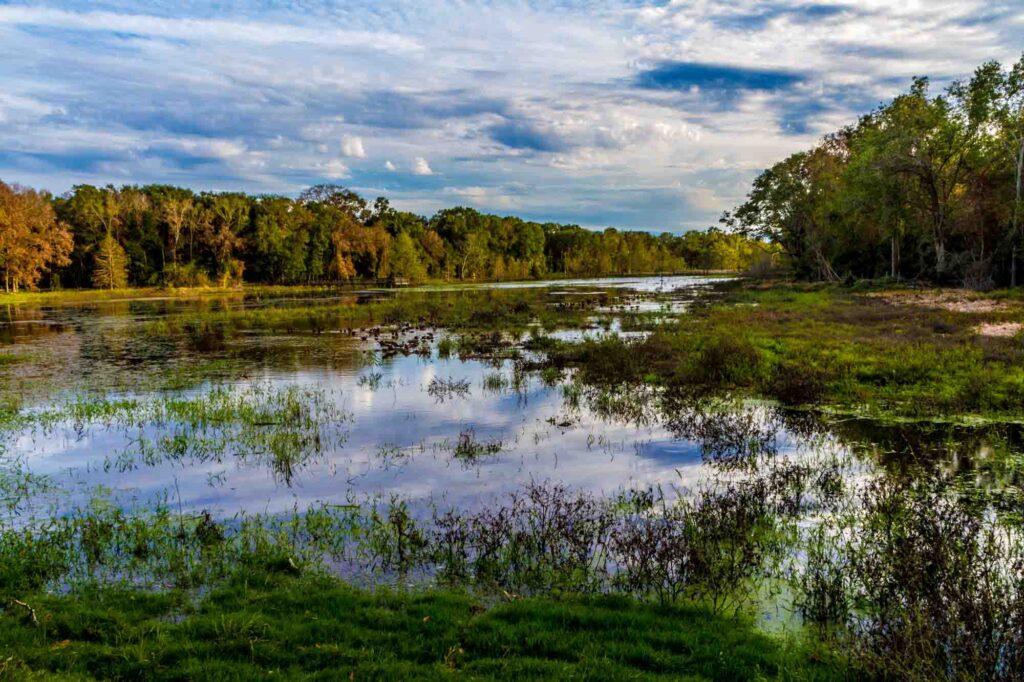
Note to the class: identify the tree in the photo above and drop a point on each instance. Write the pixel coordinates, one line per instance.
(433, 247)
(91, 212)
(32, 240)
(347, 240)
(930, 186)
(473, 255)
(1008, 112)
(177, 213)
(280, 240)
(782, 208)
(228, 216)
(329, 232)
(405, 259)
(110, 268)
(341, 198)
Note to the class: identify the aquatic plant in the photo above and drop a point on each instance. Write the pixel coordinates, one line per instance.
(443, 389)
(469, 449)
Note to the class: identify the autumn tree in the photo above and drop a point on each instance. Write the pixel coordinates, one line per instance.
(32, 240)
(433, 249)
(110, 268)
(170, 234)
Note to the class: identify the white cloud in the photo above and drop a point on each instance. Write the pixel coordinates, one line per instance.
(334, 170)
(188, 29)
(702, 198)
(487, 198)
(421, 167)
(352, 146)
(390, 167)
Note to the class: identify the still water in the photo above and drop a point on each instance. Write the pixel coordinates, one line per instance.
(384, 423)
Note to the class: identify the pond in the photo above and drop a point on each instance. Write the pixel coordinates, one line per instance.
(241, 404)
(88, 379)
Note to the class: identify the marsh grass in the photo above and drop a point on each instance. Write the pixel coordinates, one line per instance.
(894, 565)
(822, 347)
(371, 380)
(262, 624)
(280, 426)
(496, 382)
(469, 449)
(443, 389)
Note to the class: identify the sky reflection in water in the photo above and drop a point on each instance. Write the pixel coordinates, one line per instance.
(398, 442)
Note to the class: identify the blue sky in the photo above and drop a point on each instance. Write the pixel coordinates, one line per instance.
(642, 115)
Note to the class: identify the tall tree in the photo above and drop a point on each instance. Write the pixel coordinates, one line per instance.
(1009, 117)
(177, 213)
(228, 217)
(110, 268)
(405, 259)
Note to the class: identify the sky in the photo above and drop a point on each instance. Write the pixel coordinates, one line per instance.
(639, 115)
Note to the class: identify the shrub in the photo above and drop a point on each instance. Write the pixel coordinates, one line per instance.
(190, 275)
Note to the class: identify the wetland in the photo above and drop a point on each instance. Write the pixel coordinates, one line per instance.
(826, 476)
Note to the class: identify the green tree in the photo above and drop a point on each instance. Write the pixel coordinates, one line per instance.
(227, 217)
(405, 259)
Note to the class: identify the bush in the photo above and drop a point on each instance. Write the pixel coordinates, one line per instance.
(797, 383)
(190, 275)
(723, 360)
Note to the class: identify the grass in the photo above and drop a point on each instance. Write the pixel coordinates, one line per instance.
(280, 626)
(283, 426)
(82, 296)
(831, 348)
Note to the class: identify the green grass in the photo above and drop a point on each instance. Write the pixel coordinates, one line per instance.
(80, 296)
(312, 627)
(828, 347)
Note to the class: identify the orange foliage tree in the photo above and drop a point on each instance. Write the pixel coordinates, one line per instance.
(32, 240)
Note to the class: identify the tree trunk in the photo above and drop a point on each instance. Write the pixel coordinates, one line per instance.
(892, 268)
(1014, 232)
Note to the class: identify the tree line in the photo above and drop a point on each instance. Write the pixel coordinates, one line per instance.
(925, 187)
(112, 237)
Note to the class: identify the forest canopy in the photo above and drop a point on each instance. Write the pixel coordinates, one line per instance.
(112, 237)
(924, 187)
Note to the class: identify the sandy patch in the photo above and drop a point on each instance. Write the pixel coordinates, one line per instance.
(999, 329)
(953, 300)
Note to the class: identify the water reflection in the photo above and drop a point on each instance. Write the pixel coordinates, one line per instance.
(420, 424)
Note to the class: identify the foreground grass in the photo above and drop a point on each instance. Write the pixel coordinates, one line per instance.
(304, 627)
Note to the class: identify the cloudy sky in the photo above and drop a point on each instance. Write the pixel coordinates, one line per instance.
(652, 115)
